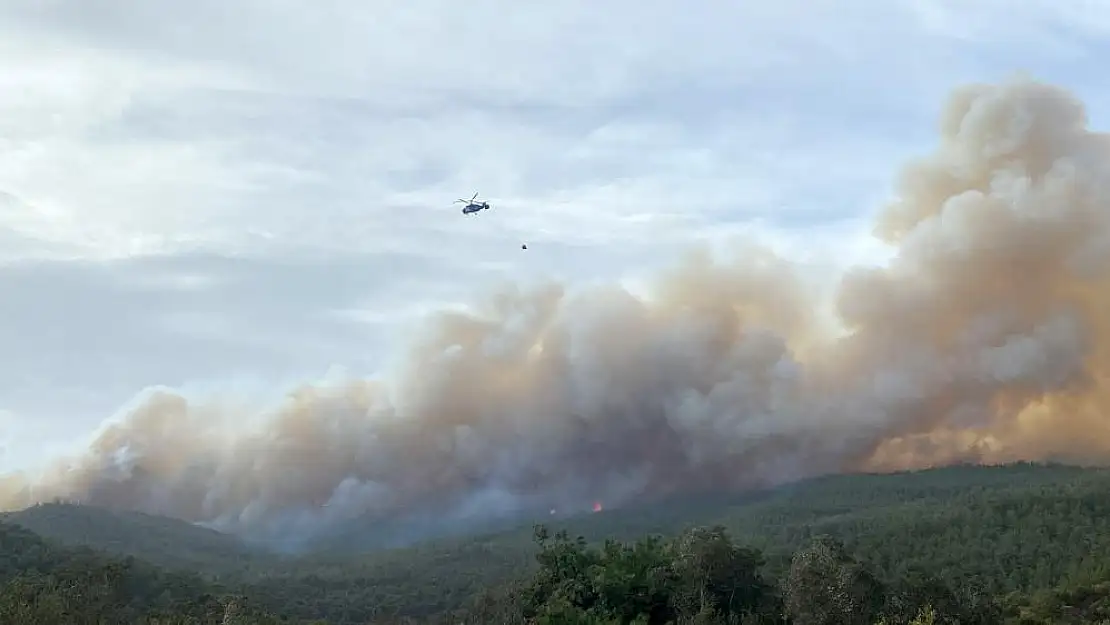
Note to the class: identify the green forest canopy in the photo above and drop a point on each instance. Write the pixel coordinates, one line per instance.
(1034, 538)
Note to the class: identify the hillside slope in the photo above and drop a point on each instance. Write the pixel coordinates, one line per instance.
(1012, 528)
(1020, 527)
(167, 542)
(45, 583)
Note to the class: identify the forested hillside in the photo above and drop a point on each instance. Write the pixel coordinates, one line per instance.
(42, 583)
(167, 542)
(1020, 543)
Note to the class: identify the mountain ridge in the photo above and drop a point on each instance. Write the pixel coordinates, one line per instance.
(1018, 528)
(160, 540)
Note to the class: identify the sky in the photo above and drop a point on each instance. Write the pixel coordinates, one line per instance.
(234, 198)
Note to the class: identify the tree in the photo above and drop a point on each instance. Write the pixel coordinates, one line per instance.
(563, 577)
(826, 586)
(716, 576)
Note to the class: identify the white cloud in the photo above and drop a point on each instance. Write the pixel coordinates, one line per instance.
(212, 190)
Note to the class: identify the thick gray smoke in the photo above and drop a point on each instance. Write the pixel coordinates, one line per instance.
(986, 338)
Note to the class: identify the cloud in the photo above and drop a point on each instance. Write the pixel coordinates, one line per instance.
(183, 129)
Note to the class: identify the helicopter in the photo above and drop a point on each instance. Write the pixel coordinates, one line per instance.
(472, 206)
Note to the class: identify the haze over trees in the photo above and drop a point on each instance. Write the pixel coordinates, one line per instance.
(1022, 544)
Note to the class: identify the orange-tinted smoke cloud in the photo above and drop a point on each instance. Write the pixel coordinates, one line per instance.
(986, 338)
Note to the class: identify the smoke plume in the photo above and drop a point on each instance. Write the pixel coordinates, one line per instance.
(985, 339)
